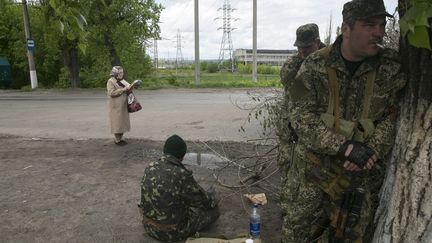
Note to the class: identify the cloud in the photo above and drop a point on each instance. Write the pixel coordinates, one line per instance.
(277, 22)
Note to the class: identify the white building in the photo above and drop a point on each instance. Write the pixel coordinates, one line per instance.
(264, 56)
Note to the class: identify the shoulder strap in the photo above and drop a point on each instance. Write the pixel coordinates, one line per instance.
(333, 107)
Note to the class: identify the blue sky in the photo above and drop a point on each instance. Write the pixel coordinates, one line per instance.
(277, 22)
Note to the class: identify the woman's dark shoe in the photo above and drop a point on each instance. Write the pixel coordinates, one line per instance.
(121, 143)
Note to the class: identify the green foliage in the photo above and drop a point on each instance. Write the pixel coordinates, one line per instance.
(415, 25)
(186, 79)
(244, 68)
(172, 80)
(67, 15)
(261, 69)
(203, 65)
(212, 68)
(63, 81)
(59, 25)
(13, 44)
(265, 69)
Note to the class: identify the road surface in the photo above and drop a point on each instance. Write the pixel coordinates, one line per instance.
(199, 114)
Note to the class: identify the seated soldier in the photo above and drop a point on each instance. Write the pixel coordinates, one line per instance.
(173, 205)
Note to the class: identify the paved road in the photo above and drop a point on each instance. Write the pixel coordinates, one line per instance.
(205, 114)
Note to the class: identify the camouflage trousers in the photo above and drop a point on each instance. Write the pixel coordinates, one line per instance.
(197, 219)
(307, 210)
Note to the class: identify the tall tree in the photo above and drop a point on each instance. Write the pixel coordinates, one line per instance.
(69, 16)
(405, 212)
(12, 42)
(138, 19)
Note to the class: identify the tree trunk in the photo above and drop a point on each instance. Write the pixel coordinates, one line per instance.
(115, 59)
(71, 61)
(405, 211)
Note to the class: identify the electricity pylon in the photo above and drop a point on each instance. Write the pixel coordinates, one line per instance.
(226, 47)
(179, 55)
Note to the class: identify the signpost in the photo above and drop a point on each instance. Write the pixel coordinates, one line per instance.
(30, 45)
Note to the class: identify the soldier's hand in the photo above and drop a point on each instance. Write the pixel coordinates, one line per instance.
(350, 166)
(357, 156)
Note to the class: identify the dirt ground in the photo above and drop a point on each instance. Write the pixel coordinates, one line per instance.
(88, 190)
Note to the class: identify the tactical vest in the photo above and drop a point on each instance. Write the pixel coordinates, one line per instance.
(331, 177)
(355, 130)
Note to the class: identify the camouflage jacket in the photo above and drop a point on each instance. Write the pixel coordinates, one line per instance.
(289, 70)
(311, 99)
(168, 190)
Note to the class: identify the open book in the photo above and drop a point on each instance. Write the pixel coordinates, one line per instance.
(135, 84)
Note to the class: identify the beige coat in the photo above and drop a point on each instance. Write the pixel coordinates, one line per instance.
(117, 105)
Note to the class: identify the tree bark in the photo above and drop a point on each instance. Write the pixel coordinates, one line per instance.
(405, 211)
(71, 61)
(115, 59)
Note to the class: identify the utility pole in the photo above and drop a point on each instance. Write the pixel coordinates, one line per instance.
(197, 54)
(254, 42)
(30, 46)
(226, 43)
(155, 55)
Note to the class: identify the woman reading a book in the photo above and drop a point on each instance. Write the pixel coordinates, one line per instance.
(118, 90)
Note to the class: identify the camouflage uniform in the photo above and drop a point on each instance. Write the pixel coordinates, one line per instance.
(309, 205)
(306, 35)
(174, 205)
(289, 70)
(311, 98)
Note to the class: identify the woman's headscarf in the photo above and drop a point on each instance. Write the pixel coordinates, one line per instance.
(115, 71)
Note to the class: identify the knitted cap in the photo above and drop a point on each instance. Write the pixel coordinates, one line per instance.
(175, 146)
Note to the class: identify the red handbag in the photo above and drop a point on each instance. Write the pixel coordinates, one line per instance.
(133, 103)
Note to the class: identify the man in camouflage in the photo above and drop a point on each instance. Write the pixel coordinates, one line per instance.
(344, 114)
(173, 205)
(307, 42)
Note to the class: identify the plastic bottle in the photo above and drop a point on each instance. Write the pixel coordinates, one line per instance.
(255, 223)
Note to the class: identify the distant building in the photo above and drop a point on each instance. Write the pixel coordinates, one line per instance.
(264, 56)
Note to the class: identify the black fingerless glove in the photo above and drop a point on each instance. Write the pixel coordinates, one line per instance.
(359, 155)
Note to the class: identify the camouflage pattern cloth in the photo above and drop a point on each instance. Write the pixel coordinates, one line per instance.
(289, 70)
(362, 9)
(174, 206)
(283, 131)
(308, 207)
(306, 35)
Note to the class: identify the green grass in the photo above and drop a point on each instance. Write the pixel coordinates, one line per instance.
(186, 79)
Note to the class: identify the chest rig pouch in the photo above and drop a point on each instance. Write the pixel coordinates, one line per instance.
(327, 171)
(357, 130)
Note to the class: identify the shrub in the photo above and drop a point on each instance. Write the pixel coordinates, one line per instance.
(212, 68)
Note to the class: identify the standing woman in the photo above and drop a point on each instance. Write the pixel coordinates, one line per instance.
(118, 89)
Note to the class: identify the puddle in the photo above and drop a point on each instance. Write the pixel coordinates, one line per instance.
(209, 161)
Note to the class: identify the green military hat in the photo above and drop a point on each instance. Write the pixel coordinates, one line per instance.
(175, 146)
(362, 9)
(306, 35)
